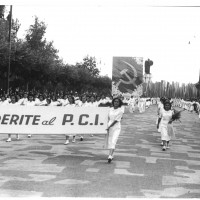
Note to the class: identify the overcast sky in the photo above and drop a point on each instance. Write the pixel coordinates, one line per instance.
(170, 36)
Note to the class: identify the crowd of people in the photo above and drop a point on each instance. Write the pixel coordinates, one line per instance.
(166, 111)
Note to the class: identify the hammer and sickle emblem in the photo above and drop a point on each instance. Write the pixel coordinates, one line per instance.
(130, 80)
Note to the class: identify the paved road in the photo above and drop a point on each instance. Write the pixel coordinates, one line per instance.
(43, 167)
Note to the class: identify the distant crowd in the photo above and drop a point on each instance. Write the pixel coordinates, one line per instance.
(36, 98)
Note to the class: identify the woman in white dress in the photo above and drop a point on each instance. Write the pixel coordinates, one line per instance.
(41, 101)
(131, 104)
(165, 124)
(92, 103)
(114, 126)
(13, 102)
(83, 103)
(54, 101)
(4, 101)
(70, 104)
(30, 102)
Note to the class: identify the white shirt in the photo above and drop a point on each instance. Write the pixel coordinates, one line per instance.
(81, 104)
(6, 102)
(30, 103)
(92, 104)
(64, 102)
(54, 103)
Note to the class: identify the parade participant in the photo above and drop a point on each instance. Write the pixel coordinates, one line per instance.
(77, 101)
(41, 101)
(24, 100)
(4, 101)
(48, 100)
(159, 109)
(166, 116)
(98, 99)
(88, 99)
(131, 104)
(148, 103)
(114, 126)
(141, 105)
(64, 101)
(92, 102)
(12, 103)
(30, 102)
(70, 104)
(83, 103)
(19, 99)
(36, 97)
(54, 101)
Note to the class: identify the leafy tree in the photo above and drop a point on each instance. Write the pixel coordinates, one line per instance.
(89, 63)
(36, 65)
(42, 55)
(4, 45)
(2, 11)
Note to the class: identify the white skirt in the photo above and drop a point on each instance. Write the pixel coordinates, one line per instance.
(164, 133)
(111, 138)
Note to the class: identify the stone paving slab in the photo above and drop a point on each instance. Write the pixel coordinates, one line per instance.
(42, 166)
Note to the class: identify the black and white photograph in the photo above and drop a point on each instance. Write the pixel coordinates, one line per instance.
(100, 99)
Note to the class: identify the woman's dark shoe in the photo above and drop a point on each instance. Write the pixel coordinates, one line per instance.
(164, 148)
(110, 159)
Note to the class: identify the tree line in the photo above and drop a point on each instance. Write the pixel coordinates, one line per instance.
(35, 64)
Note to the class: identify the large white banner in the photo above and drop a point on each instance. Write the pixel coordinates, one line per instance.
(53, 120)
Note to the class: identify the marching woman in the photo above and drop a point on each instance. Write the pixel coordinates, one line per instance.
(166, 127)
(13, 102)
(92, 103)
(131, 104)
(24, 100)
(160, 107)
(83, 103)
(114, 126)
(70, 104)
(4, 101)
(41, 101)
(54, 101)
(64, 101)
(30, 102)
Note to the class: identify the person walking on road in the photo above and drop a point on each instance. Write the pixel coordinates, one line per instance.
(13, 102)
(70, 104)
(166, 127)
(114, 126)
(83, 103)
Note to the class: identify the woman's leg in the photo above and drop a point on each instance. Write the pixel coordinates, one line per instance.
(111, 152)
(9, 138)
(74, 139)
(110, 157)
(167, 144)
(67, 139)
(164, 145)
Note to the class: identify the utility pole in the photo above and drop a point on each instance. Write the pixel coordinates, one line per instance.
(9, 52)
